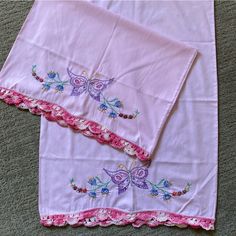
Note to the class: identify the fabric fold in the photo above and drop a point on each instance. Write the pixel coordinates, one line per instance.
(96, 72)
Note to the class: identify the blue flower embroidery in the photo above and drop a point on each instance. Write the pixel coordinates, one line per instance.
(104, 190)
(112, 115)
(166, 183)
(118, 104)
(51, 74)
(154, 192)
(52, 80)
(92, 194)
(103, 107)
(166, 196)
(92, 181)
(46, 86)
(59, 87)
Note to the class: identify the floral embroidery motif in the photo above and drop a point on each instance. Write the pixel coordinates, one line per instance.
(94, 87)
(51, 81)
(85, 84)
(113, 106)
(96, 186)
(124, 178)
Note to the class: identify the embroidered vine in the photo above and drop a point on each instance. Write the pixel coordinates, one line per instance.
(123, 178)
(85, 84)
(113, 106)
(96, 186)
(52, 80)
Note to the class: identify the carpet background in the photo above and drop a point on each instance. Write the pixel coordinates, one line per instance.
(19, 140)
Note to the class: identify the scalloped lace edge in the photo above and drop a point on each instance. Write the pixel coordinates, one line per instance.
(56, 113)
(109, 216)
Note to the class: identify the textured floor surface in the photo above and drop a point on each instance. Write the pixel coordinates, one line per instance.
(19, 140)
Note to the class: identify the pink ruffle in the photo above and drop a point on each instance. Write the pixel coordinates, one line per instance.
(88, 128)
(109, 216)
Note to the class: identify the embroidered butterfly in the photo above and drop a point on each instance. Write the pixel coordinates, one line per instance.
(124, 177)
(83, 84)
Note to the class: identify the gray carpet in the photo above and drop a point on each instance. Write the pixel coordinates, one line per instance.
(19, 140)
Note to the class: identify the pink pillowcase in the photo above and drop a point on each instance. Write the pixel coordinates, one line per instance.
(96, 72)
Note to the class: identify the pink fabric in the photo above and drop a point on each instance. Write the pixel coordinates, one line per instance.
(148, 70)
(187, 152)
(82, 182)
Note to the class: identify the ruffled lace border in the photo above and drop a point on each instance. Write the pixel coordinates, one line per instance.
(108, 216)
(88, 128)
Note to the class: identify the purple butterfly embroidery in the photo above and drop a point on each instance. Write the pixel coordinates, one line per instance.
(82, 84)
(123, 178)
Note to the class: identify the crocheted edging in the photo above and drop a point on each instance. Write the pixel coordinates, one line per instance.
(107, 216)
(54, 112)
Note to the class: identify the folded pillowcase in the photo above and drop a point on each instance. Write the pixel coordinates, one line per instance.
(97, 73)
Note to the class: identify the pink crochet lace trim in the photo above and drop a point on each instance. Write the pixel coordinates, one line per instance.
(88, 128)
(108, 216)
